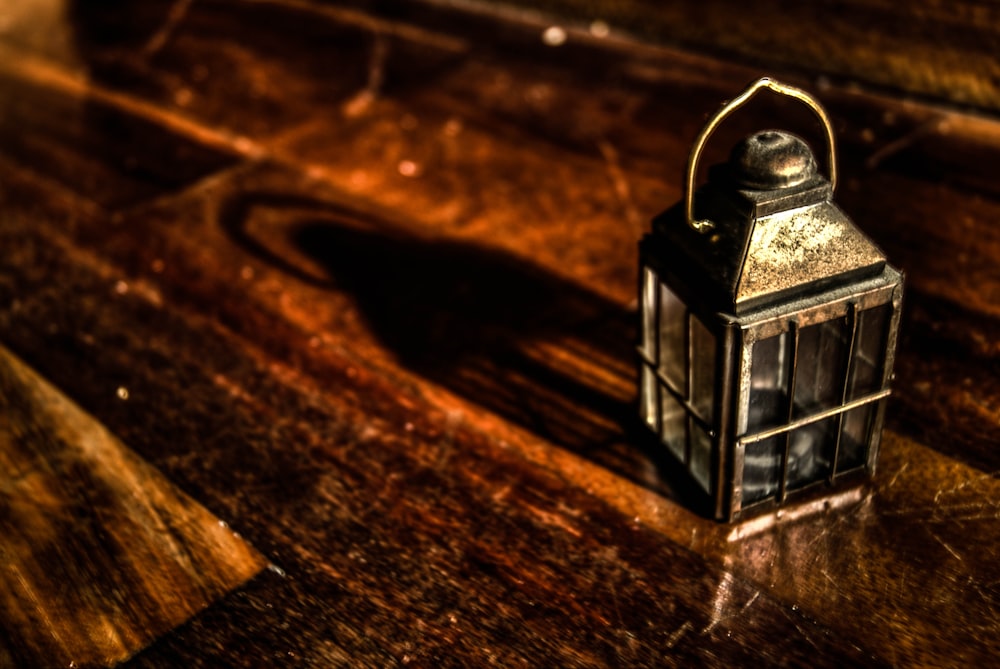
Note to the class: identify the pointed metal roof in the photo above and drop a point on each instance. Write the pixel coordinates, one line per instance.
(764, 246)
(805, 247)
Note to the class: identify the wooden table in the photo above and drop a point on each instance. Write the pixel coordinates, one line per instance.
(339, 301)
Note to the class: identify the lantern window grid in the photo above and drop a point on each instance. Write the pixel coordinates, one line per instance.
(678, 354)
(814, 416)
(681, 384)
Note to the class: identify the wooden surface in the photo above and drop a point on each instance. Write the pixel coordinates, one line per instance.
(369, 279)
(922, 48)
(99, 553)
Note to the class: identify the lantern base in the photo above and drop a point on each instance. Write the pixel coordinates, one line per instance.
(818, 495)
(842, 501)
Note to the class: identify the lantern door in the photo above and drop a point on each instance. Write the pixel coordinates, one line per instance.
(812, 389)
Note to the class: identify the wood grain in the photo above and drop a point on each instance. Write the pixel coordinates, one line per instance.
(384, 318)
(920, 48)
(100, 554)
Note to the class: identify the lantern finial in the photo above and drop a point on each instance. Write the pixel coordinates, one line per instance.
(772, 159)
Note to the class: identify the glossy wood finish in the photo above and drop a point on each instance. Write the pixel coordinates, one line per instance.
(369, 279)
(100, 554)
(945, 51)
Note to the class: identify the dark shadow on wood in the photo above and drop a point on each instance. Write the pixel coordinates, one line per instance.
(477, 320)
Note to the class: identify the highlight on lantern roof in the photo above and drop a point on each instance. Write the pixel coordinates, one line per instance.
(768, 326)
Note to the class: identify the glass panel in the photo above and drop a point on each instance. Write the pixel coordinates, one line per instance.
(702, 369)
(647, 396)
(769, 383)
(762, 468)
(821, 366)
(673, 344)
(810, 452)
(869, 351)
(701, 456)
(854, 439)
(648, 312)
(674, 418)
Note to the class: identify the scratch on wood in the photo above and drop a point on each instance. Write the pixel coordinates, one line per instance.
(946, 546)
(360, 102)
(902, 469)
(41, 611)
(680, 632)
(930, 127)
(359, 18)
(719, 603)
(553, 520)
(174, 17)
(614, 599)
(620, 182)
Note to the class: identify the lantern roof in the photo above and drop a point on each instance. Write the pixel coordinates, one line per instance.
(764, 245)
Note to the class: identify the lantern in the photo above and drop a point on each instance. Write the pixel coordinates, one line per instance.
(768, 326)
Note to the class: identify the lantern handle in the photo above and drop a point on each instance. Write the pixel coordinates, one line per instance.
(731, 106)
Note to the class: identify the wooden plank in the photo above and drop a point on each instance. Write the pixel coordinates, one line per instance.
(88, 146)
(394, 340)
(404, 538)
(99, 554)
(922, 48)
(877, 532)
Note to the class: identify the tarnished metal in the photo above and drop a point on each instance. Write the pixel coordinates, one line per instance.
(762, 250)
(731, 106)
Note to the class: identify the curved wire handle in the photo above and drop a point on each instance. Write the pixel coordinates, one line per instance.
(728, 108)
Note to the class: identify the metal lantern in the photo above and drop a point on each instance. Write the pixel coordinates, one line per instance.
(768, 326)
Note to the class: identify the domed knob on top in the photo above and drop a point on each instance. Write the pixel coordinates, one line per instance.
(772, 159)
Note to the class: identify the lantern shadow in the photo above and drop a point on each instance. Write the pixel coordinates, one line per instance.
(493, 328)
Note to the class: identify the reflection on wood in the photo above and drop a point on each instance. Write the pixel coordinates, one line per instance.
(99, 554)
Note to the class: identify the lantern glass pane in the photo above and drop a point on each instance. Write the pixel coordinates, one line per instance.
(674, 419)
(869, 351)
(821, 366)
(648, 307)
(855, 437)
(702, 369)
(701, 456)
(673, 344)
(647, 396)
(810, 452)
(768, 383)
(762, 468)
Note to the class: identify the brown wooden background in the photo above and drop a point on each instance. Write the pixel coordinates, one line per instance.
(945, 51)
(367, 276)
